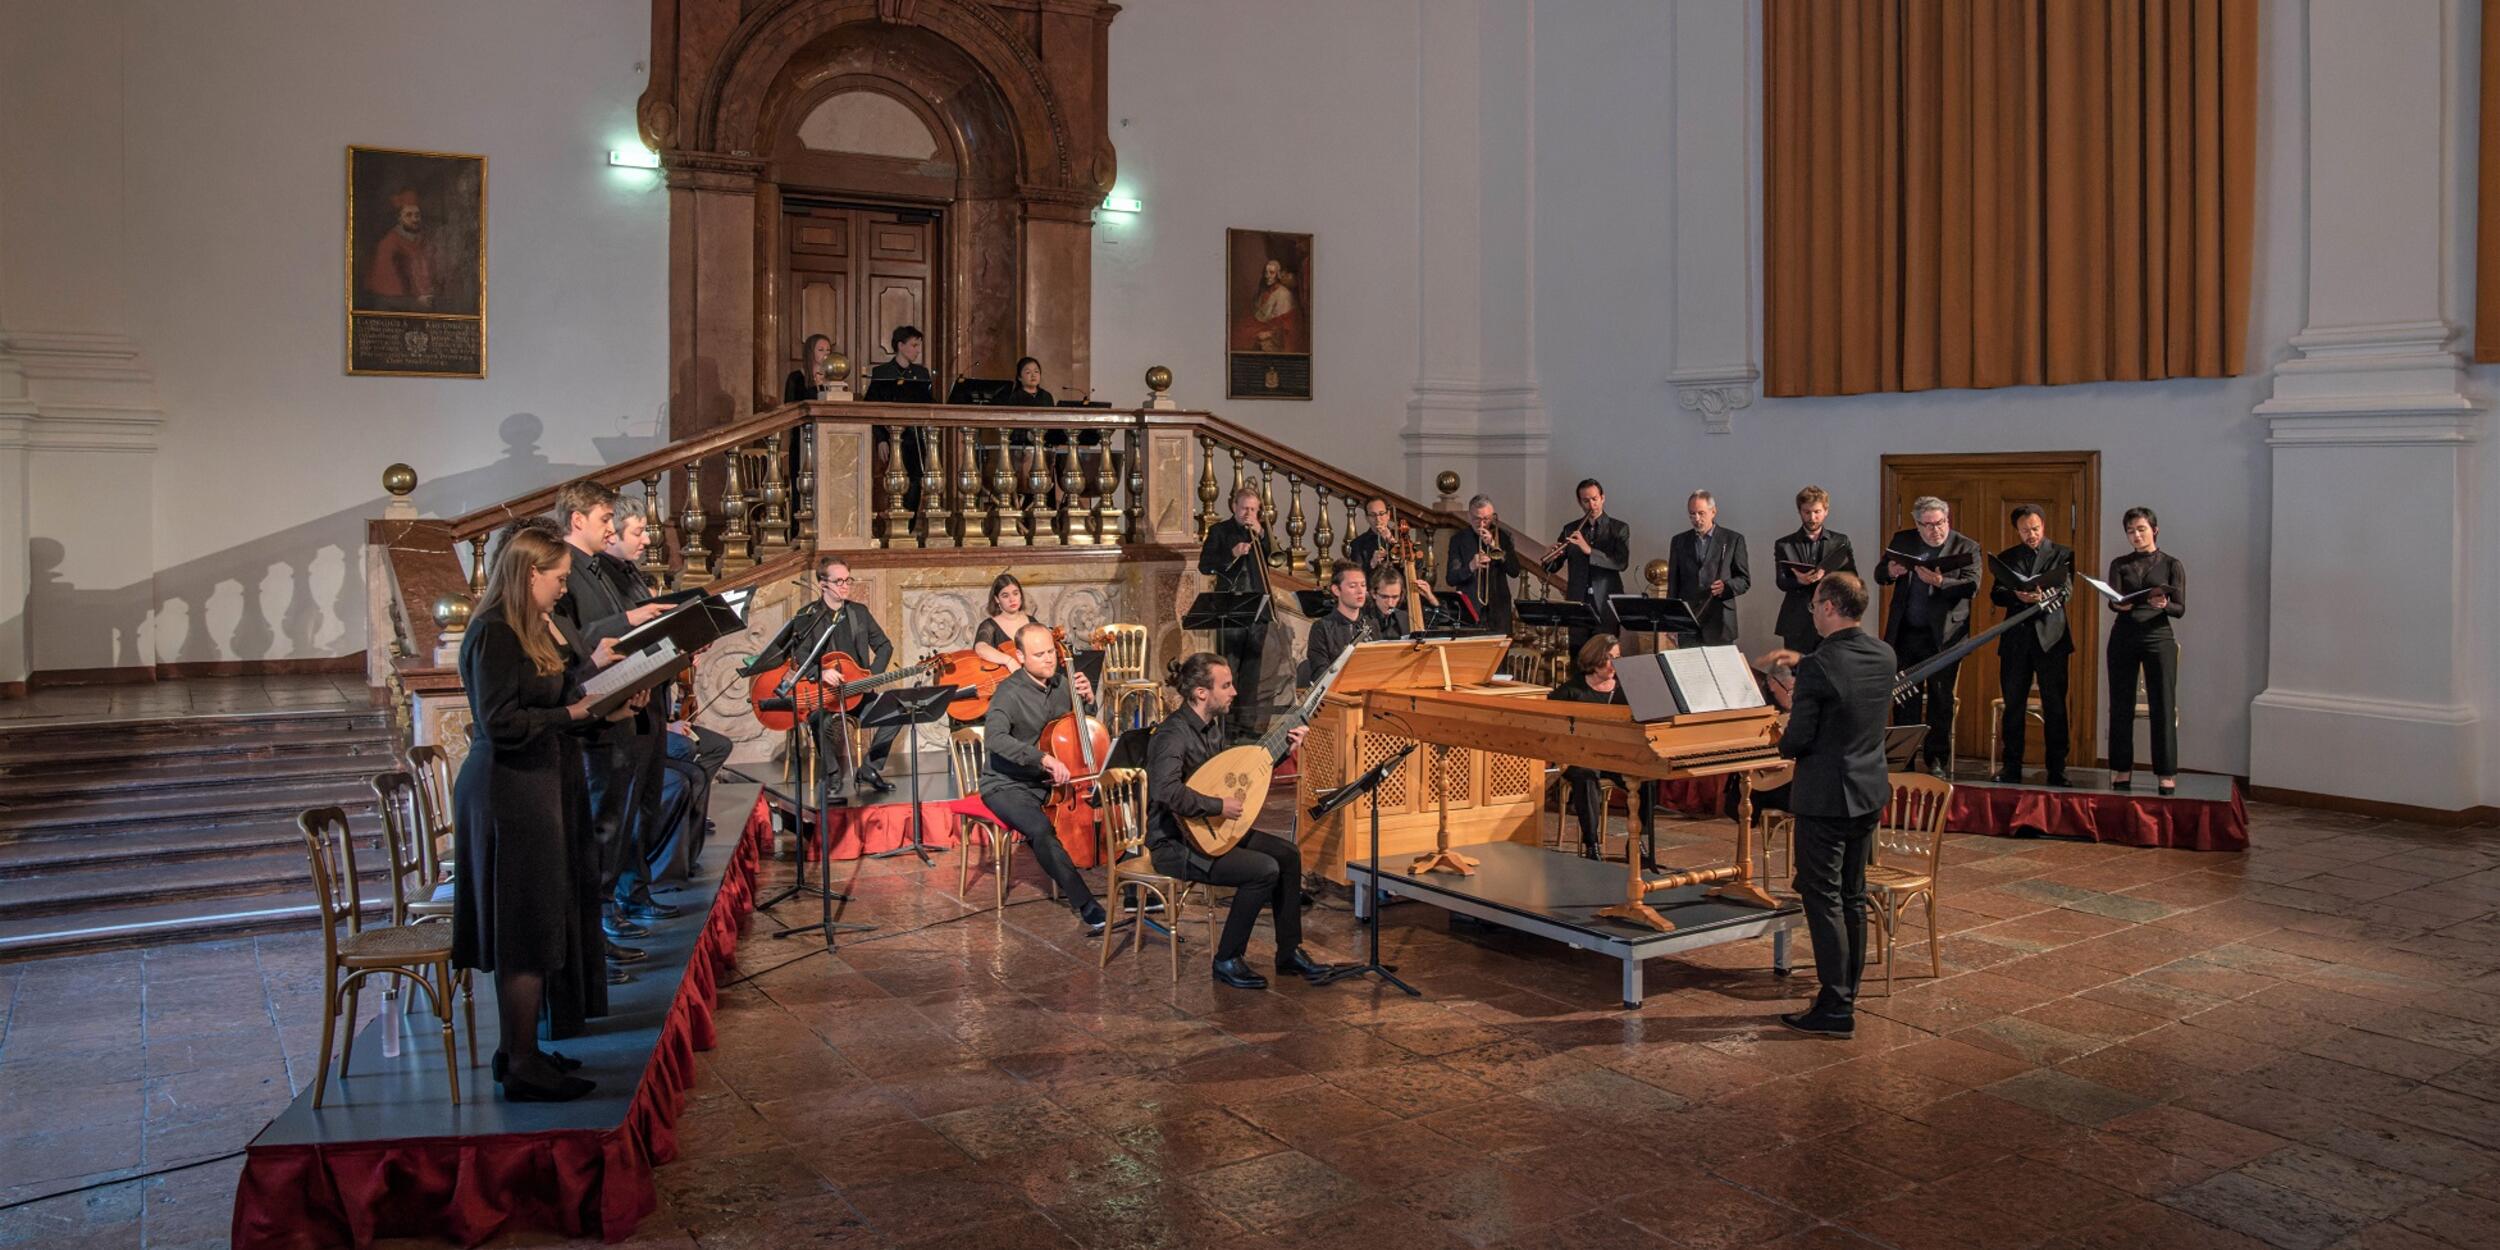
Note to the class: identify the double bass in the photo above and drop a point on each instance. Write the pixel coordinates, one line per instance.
(1082, 744)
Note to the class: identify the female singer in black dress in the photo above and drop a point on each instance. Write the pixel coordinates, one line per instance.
(809, 383)
(2140, 642)
(521, 813)
(1027, 392)
(1008, 614)
(1595, 682)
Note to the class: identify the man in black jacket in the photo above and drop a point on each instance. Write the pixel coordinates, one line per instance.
(1019, 776)
(1235, 555)
(1481, 569)
(1706, 569)
(1929, 613)
(1263, 869)
(1836, 704)
(2039, 651)
(1593, 551)
(835, 623)
(1825, 551)
(1351, 622)
(621, 761)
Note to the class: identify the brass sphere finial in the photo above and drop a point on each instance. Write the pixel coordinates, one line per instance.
(451, 611)
(399, 480)
(838, 367)
(1656, 573)
(1158, 379)
(1447, 482)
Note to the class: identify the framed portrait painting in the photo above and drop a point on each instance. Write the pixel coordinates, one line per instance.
(416, 263)
(1267, 315)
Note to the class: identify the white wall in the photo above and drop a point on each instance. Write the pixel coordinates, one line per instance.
(1606, 295)
(1295, 115)
(189, 179)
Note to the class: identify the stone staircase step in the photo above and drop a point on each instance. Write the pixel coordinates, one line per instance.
(192, 776)
(38, 856)
(88, 888)
(277, 910)
(24, 735)
(157, 812)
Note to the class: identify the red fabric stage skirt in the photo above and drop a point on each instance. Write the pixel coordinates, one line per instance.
(574, 1182)
(858, 831)
(2102, 816)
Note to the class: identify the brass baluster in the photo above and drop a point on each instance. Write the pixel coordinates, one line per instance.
(1071, 518)
(773, 534)
(734, 556)
(1295, 526)
(1323, 561)
(1267, 497)
(1206, 486)
(1136, 484)
(932, 526)
(690, 523)
(897, 487)
(1002, 493)
(804, 486)
(1240, 461)
(1038, 532)
(1355, 523)
(477, 568)
(1107, 492)
(967, 502)
(655, 519)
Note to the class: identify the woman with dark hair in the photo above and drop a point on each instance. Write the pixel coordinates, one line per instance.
(1027, 392)
(521, 817)
(809, 381)
(1594, 682)
(2140, 643)
(1008, 613)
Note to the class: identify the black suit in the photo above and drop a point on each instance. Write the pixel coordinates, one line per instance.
(1241, 648)
(1691, 569)
(1332, 634)
(622, 761)
(857, 635)
(1830, 550)
(1489, 586)
(2040, 651)
(1925, 620)
(1593, 577)
(1836, 734)
(1370, 552)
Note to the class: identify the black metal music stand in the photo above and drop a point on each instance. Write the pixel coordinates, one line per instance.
(818, 782)
(808, 736)
(1654, 617)
(1367, 784)
(1225, 609)
(910, 707)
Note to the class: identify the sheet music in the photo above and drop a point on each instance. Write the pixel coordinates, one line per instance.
(1737, 688)
(624, 673)
(1696, 687)
(2108, 591)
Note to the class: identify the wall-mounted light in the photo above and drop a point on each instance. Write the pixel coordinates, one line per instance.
(1124, 204)
(634, 158)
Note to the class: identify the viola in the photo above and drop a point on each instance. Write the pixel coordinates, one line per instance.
(966, 669)
(845, 684)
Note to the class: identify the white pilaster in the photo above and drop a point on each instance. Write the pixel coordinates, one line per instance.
(1716, 60)
(1475, 406)
(17, 418)
(2374, 657)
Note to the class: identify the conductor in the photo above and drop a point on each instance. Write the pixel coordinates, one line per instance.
(1837, 705)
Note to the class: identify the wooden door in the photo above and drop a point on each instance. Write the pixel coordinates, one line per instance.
(853, 274)
(1984, 491)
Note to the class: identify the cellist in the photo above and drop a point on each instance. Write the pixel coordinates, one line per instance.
(1020, 775)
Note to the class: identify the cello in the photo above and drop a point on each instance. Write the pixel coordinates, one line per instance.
(1082, 744)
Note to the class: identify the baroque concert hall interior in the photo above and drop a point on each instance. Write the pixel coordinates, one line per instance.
(1215, 624)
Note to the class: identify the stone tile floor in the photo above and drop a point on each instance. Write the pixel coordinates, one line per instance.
(2296, 1047)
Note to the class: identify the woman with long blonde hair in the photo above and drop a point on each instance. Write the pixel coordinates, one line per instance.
(520, 813)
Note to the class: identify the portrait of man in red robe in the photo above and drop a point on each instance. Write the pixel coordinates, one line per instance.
(401, 275)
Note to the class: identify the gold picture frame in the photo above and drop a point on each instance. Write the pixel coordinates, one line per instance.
(415, 264)
(1267, 314)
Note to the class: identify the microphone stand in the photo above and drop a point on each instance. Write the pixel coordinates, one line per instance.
(805, 741)
(1367, 784)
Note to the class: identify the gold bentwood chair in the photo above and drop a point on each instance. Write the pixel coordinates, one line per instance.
(1903, 862)
(418, 954)
(405, 832)
(969, 752)
(1124, 681)
(432, 769)
(1124, 835)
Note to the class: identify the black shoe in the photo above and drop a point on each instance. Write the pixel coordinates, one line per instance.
(561, 1061)
(2058, 781)
(1154, 906)
(1299, 964)
(1822, 1024)
(874, 780)
(517, 1088)
(618, 976)
(1238, 974)
(647, 909)
(2166, 787)
(1588, 850)
(626, 954)
(2005, 777)
(619, 928)
(1093, 918)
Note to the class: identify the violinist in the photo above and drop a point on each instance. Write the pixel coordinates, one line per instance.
(1235, 555)
(1008, 615)
(835, 623)
(1019, 777)
(1482, 562)
(1593, 550)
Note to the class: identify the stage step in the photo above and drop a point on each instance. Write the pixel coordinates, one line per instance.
(115, 833)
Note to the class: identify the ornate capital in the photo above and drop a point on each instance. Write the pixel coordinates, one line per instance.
(1715, 393)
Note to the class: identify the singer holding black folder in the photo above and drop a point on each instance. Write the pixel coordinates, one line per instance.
(1235, 555)
(1592, 552)
(1938, 569)
(2140, 641)
(1706, 569)
(1803, 558)
(2041, 651)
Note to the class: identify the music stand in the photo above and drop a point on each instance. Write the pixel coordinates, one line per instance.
(809, 736)
(1315, 603)
(1555, 614)
(819, 782)
(1369, 783)
(1654, 617)
(910, 708)
(1225, 609)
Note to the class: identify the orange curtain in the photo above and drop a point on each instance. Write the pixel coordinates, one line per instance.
(1970, 193)
(2487, 199)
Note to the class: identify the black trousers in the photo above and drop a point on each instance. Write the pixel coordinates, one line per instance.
(834, 767)
(623, 772)
(2018, 666)
(2155, 654)
(1931, 704)
(1021, 808)
(1242, 649)
(1584, 799)
(1264, 872)
(1830, 855)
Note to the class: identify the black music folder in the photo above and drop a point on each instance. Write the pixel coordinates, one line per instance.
(656, 652)
(2054, 575)
(1942, 562)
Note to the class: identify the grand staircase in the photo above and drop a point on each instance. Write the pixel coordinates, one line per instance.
(141, 831)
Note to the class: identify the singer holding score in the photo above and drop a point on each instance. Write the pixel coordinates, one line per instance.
(2140, 641)
(1592, 551)
(1235, 555)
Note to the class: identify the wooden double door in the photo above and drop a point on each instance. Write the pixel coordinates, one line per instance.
(1984, 490)
(855, 272)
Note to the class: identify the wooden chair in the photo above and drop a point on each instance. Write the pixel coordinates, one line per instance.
(1124, 681)
(420, 955)
(1903, 860)
(1124, 834)
(432, 769)
(415, 899)
(969, 753)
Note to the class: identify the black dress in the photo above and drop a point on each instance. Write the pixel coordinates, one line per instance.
(799, 387)
(516, 805)
(989, 632)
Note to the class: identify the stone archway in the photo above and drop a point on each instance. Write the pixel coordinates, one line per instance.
(1016, 91)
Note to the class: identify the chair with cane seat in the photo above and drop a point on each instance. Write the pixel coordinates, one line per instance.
(1124, 680)
(417, 954)
(401, 799)
(1902, 863)
(431, 897)
(1123, 793)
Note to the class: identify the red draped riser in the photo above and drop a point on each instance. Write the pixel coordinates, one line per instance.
(860, 831)
(2102, 816)
(576, 1182)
